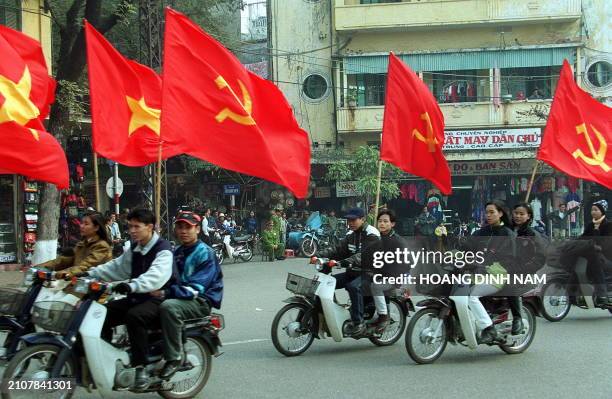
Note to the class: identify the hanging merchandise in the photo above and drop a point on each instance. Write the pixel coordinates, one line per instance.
(30, 209)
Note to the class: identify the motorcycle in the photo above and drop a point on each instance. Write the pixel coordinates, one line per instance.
(232, 246)
(295, 237)
(317, 239)
(566, 288)
(448, 318)
(313, 312)
(72, 352)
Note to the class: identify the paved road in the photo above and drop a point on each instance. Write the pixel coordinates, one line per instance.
(566, 360)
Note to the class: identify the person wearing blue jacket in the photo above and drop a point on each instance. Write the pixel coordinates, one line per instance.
(198, 287)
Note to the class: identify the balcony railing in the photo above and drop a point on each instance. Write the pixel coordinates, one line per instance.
(350, 15)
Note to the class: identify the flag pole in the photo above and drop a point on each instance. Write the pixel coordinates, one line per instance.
(158, 188)
(378, 189)
(97, 180)
(530, 186)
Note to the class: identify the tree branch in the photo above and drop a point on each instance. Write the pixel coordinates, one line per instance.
(56, 21)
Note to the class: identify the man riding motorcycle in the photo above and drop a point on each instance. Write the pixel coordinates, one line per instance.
(355, 250)
(197, 288)
(148, 266)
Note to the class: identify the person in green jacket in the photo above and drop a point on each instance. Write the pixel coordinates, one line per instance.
(271, 242)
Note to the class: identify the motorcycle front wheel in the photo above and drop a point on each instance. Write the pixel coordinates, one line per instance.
(289, 334)
(189, 383)
(396, 327)
(426, 336)
(309, 247)
(34, 364)
(246, 254)
(555, 300)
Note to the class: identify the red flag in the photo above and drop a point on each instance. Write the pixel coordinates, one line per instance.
(233, 118)
(26, 89)
(32, 153)
(413, 127)
(125, 106)
(578, 133)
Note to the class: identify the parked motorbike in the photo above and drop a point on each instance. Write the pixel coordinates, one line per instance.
(296, 235)
(316, 239)
(564, 288)
(72, 352)
(234, 247)
(448, 318)
(313, 312)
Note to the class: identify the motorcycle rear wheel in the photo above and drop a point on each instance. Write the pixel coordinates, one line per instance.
(556, 302)
(530, 334)
(303, 341)
(416, 336)
(199, 351)
(247, 254)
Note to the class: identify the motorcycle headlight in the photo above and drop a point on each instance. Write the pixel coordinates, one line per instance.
(82, 286)
(318, 266)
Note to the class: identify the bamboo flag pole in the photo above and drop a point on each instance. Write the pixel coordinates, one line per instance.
(378, 189)
(158, 188)
(97, 180)
(530, 186)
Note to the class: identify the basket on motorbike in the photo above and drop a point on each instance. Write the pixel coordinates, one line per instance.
(301, 285)
(53, 315)
(11, 301)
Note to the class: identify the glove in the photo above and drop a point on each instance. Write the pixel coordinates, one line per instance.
(122, 288)
(344, 263)
(81, 274)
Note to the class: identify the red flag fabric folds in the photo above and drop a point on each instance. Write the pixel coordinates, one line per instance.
(233, 118)
(413, 127)
(578, 133)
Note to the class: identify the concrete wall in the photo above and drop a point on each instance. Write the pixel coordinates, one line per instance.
(301, 42)
(598, 44)
(37, 24)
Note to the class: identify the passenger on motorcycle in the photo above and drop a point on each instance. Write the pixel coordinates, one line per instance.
(197, 287)
(532, 247)
(390, 242)
(600, 229)
(495, 239)
(355, 250)
(93, 249)
(148, 266)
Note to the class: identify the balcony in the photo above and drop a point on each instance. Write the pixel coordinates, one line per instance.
(456, 116)
(350, 15)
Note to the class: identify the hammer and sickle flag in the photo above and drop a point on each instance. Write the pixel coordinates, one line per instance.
(26, 94)
(413, 127)
(578, 135)
(232, 117)
(125, 106)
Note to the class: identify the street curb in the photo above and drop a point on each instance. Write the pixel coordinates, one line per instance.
(10, 267)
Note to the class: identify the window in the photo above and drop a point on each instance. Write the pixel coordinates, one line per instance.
(315, 87)
(10, 13)
(366, 89)
(379, 1)
(529, 83)
(458, 86)
(598, 73)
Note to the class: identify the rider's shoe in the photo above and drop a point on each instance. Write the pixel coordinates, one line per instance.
(381, 322)
(601, 301)
(488, 335)
(169, 369)
(356, 328)
(517, 326)
(141, 380)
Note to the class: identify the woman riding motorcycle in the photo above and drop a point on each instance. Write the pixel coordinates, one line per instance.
(94, 248)
(599, 229)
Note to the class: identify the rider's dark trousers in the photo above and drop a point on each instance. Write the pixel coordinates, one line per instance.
(595, 273)
(139, 316)
(353, 284)
(515, 304)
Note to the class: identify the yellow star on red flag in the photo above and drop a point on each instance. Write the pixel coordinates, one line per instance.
(142, 115)
(17, 106)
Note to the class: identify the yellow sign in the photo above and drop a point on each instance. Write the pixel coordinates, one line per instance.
(142, 115)
(597, 158)
(246, 104)
(430, 140)
(17, 106)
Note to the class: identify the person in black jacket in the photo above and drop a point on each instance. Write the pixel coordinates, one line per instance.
(600, 229)
(497, 241)
(354, 251)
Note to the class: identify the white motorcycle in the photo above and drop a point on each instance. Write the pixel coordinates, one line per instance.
(315, 313)
(448, 318)
(71, 352)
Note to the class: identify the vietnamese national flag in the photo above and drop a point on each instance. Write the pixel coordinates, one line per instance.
(26, 89)
(32, 153)
(233, 118)
(578, 135)
(125, 106)
(413, 127)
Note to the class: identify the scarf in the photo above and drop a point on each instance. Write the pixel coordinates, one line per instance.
(597, 222)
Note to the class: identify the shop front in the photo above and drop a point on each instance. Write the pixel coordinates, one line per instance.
(8, 215)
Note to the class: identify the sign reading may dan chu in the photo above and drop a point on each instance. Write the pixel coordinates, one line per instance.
(491, 139)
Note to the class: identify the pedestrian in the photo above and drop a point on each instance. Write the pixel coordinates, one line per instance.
(559, 219)
(250, 223)
(426, 225)
(206, 230)
(271, 242)
(283, 229)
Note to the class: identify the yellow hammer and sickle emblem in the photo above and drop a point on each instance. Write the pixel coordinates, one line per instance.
(597, 158)
(431, 141)
(246, 104)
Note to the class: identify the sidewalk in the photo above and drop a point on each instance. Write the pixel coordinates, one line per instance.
(10, 267)
(11, 278)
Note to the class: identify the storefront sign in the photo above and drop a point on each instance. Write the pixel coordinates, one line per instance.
(8, 258)
(499, 167)
(231, 189)
(322, 192)
(492, 139)
(347, 189)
